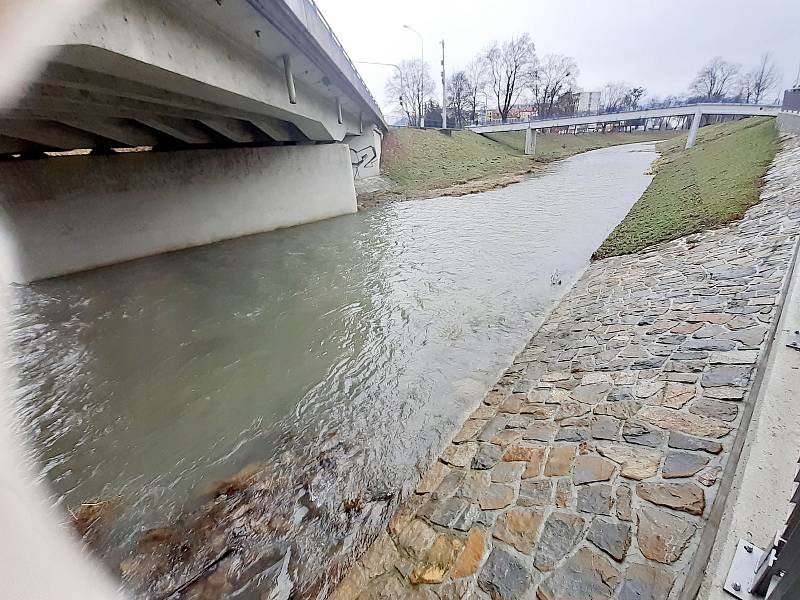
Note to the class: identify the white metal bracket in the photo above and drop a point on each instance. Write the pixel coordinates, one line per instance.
(742, 571)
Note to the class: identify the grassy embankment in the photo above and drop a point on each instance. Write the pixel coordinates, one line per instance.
(424, 163)
(702, 188)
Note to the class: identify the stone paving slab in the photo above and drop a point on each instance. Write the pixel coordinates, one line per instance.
(589, 470)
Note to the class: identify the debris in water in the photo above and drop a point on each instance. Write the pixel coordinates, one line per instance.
(90, 516)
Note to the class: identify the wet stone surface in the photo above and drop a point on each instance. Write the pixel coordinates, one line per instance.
(590, 468)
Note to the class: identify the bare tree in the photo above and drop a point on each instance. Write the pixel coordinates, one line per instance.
(618, 95)
(412, 86)
(613, 95)
(713, 82)
(476, 73)
(509, 64)
(673, 100)
(459, 97)
(632, 97)
(550, 79)
(760, 80)
(745, 87)
(566, 103)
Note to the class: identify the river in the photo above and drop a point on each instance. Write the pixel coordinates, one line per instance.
(340, 356)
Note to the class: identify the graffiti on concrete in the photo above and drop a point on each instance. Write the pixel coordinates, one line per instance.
(363, 158)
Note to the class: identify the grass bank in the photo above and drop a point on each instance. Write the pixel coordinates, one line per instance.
(702, 188)
(426, 163)
(423, 159)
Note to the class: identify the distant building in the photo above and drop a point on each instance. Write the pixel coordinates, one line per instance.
(588, 102)
(525, 112)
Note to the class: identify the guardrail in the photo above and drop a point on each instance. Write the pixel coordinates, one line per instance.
(339, 45)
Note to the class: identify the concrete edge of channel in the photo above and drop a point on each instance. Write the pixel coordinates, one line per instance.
(697, 568)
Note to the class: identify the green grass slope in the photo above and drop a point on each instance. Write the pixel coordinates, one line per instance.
(701, 188)
(424, 159)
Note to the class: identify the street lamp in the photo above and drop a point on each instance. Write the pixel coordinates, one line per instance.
(421, 74)
(444, 92)
(485, 105)
(399, 71)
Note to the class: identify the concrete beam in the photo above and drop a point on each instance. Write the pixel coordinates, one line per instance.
(10, 145)
(209, 51)
(180, 129)
(115, 91)
(233, 129)
(280, 131)
(50, 134)
(73, 213)
(124, 131)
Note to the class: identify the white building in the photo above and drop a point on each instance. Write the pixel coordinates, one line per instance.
(588, 102)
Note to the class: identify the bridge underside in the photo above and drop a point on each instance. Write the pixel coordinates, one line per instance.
(73, 108)
(188, 73)
(88, 211)
(141, 102)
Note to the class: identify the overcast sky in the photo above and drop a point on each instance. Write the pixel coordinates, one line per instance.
(658, 44)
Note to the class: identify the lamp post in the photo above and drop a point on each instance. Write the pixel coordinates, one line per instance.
(485, 105)
(399, 71)
(444, 92)
(421, 75)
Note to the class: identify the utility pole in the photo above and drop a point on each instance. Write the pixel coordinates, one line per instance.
(444, 92)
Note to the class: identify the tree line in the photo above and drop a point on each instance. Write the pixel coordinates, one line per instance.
(509, 74)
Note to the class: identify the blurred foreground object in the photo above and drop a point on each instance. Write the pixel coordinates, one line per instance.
(40, 557)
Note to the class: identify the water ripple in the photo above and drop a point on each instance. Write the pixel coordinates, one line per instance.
(342, 354)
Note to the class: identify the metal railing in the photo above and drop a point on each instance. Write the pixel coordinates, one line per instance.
(339, 45)
(774, 573)
(601, 112)
(778, 573)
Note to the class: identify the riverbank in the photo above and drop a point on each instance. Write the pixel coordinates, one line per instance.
(598, 464)
(697, 189)
(329, 363)
(428, 163)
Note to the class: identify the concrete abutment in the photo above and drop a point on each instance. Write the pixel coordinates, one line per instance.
(68, 214)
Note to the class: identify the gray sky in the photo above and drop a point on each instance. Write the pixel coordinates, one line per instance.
(658, 44)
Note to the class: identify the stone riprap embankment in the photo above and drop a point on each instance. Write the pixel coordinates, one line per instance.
(590, 469)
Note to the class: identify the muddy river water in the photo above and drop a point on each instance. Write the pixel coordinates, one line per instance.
(334, 359)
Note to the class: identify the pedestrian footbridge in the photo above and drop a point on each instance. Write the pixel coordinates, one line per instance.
(696, 111)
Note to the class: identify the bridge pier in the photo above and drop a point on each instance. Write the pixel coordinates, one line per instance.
(67, 214)
(696, 119)
(530, 141)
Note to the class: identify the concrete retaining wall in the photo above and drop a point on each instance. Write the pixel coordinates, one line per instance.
(789, 122)
(61, 215)
(365, 153)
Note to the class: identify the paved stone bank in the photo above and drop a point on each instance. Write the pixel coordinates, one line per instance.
(589, 469)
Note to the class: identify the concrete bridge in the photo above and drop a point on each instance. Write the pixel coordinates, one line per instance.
(185, 122)
(695, 111)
